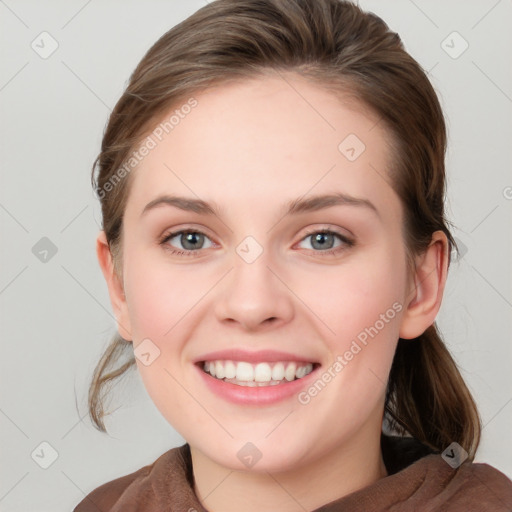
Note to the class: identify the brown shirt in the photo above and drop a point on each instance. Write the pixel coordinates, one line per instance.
(426, 484)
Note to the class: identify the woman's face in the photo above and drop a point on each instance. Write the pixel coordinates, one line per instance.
(297, 259)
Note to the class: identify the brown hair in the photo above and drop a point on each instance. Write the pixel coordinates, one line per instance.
(335, 44)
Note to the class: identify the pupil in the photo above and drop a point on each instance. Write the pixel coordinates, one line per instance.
(191, 240)
(323, 241)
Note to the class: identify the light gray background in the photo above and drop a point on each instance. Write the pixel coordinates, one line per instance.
(56, 317)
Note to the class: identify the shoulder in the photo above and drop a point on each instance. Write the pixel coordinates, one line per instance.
(471, 486)
(425, 475)
(103, 498)
(482, 482)
(135, 487)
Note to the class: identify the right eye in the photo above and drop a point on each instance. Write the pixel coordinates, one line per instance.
(186, 242)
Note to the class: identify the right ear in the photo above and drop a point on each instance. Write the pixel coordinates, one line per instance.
(115, 287)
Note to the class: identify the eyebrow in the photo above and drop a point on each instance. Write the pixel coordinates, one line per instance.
(300, 205)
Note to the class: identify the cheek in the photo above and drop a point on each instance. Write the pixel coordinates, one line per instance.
(350, 297)
(360, 307)
(159, 296)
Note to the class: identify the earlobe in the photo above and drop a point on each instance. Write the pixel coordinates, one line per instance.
(425, 295)
(115, 286)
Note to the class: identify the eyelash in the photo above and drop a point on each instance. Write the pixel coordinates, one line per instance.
(348, 242)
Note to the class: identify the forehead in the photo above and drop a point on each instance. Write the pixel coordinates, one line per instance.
(273, 137)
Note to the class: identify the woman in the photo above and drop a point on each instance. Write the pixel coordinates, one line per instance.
(275, 246)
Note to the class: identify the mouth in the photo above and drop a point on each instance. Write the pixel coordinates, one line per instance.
(261, 374)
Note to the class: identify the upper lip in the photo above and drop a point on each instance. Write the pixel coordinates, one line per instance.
(259, 356)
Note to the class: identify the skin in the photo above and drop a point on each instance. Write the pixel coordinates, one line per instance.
(250, 148)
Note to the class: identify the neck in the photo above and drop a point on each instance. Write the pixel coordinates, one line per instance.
(307, 487)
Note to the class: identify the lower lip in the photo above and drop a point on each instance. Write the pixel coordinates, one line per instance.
(260, 395)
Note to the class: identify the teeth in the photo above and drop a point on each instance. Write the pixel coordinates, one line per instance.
(219, 370)
(289, 373)
(260, 374)
(278, 371)
(230, 370)
(301, 372)
(244, 371)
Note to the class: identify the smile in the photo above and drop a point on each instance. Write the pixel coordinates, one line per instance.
(243, 373)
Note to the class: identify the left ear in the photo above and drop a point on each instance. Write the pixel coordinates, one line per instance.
(426, 291)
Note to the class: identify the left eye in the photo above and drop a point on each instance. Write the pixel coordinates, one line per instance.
(189, 240)
(323, 240)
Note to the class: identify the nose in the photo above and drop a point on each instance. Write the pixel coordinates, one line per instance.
(254, 297)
